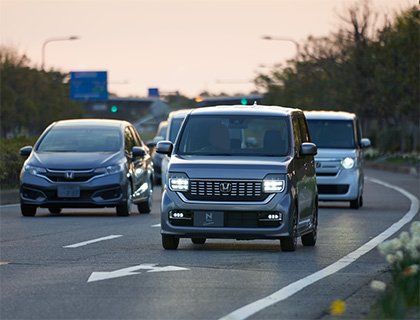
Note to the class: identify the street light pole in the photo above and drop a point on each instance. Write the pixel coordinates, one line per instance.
(285, 39)
(51, 40)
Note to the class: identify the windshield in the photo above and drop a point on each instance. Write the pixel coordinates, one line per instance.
(332, 133)
(175, 125)
(81, 140)
(235, 135)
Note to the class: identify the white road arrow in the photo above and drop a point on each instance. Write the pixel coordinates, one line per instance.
(97, 276)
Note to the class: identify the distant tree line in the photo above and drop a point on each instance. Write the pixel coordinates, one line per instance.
(373, 72)
(32, 99)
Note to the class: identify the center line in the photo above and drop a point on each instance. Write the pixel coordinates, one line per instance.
(81, 244)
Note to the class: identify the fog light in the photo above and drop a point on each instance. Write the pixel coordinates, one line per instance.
(273, 216)
(180, 215)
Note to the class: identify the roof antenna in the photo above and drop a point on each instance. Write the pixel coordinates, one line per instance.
(255, 104)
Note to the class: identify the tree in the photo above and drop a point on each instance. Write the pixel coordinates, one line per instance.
(32, 99)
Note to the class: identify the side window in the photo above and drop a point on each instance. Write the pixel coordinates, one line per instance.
(128, 141)
(304, 131)
(358, 128)
(296, 134)
(137, 139)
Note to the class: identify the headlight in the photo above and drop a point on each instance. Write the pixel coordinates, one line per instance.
(34, 170)
(110, 169)
(178, 181)
(347, 163)
(273, 183)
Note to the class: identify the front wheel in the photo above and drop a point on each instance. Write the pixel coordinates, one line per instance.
(357, 203)
(170, 242)
(27, 210)
(146, 207)
(124, 209)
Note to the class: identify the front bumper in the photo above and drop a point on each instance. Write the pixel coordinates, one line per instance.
(231, 220)
(343, 186)
(100, 192)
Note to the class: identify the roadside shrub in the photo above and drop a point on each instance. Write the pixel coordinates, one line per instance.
(11, 161)
(400, 300)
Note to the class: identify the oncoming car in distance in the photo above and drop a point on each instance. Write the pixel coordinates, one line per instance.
(240, 172)
(87, 163)
(339, 162)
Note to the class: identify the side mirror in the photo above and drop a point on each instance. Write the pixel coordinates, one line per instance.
(365, 143)
(164, 147)
(26, 151)
(138, 152)
(308, 149)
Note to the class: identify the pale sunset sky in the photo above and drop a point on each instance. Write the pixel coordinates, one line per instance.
(188, 46)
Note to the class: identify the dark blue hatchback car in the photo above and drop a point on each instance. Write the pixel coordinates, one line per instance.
(87, 163)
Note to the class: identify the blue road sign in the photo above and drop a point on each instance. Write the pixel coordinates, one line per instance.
(153, 92)
(89, 85)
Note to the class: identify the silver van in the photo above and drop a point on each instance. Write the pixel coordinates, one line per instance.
(240, 172)
(339, 162)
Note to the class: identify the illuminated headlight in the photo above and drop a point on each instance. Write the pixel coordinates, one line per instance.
(178, 181)
(34, 170)
(347, 163)
(273, 183)
(109, 170)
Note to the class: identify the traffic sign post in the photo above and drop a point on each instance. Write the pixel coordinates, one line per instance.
(91, 85)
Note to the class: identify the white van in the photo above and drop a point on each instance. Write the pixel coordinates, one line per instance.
(339, 162)
(175, 119)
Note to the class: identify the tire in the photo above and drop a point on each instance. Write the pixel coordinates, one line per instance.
(290, 243)
(309, 239)
(124, 209)
(198, 240)
(169, 242)
(357, 203)
(27, 210)
(146, 207)
(54, 210)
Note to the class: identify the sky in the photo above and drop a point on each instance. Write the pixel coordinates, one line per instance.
(189, 46)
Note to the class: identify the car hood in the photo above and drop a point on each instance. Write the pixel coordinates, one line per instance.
(73, 160)
(222, 167)
(335, 154)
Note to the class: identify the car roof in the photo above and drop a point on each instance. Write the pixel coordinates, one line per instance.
(91, 123)
(245, 110)
(179, 113)
(330, 115)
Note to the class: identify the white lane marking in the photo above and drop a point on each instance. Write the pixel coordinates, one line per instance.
(9, 205)
(97, 276)
(156, 225)
(291, 289)
(81, 244)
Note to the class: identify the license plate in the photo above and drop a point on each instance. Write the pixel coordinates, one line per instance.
(68, 191)
(208, 219)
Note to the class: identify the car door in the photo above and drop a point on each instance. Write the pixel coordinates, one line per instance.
(304, 172)
(136, 164)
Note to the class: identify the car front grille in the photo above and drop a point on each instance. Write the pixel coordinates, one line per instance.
(70, 175)
(225, 190)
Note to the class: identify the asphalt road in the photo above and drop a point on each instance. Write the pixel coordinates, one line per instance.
(91, 264)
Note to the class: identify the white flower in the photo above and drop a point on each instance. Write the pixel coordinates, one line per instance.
(390, 258)
(404, 238)
(379, 286)
(399, 255)
(415, 228)
(416, 240)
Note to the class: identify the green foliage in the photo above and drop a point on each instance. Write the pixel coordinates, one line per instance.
(374, 74)
(11, 161)
(32, 99)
